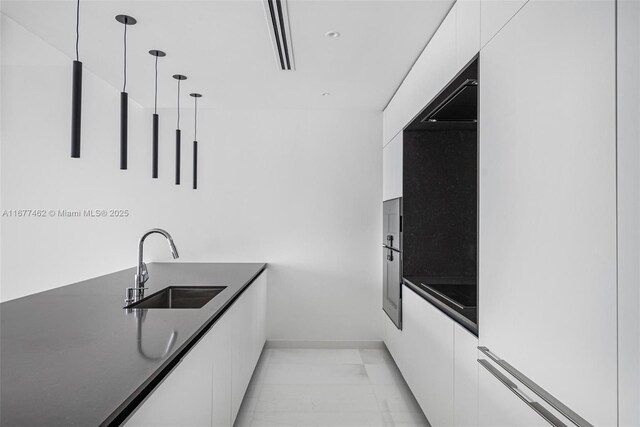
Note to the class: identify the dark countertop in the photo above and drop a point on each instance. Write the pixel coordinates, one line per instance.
(466, 317)
(72, 356)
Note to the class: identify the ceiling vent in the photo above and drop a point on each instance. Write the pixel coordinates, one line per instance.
(278, 23)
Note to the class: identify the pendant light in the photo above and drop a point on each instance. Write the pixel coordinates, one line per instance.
(195, 139)
(154, 146)
(76, 93)
(124, 97)
(179, 78)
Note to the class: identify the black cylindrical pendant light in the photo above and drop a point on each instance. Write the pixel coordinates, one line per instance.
(76, 93)
(179, 78)
(195, 139)
(154, 146)
(124, 97)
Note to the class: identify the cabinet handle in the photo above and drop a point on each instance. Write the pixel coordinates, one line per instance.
(539, 391)
(541, 410)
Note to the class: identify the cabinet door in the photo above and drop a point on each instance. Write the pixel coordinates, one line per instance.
(429, 75)
(628, 59)
(465, 374)
(392, 169)
(499, 407)
(547, 201)
(428, 336)
(184, 397)
(467, 31)
(494, 14)
(221, 372)
(247, 339)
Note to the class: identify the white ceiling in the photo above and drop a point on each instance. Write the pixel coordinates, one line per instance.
(224, 48)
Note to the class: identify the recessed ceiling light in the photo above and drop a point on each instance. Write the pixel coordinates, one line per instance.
(333, 34)
(325, 94)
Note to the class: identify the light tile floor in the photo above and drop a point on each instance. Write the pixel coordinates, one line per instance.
(328, 388)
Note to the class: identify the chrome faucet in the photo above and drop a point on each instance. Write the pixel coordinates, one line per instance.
(136, 293)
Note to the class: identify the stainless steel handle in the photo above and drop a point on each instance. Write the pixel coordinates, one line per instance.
(390, 239)
(541, 410)
(539, 391)
(390, 253)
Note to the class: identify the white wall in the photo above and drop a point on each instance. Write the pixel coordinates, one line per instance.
(298, 189)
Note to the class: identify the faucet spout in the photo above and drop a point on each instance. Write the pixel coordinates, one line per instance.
(136, 293)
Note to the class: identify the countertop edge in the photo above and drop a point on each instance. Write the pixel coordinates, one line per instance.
(122, 413)
(448, 311)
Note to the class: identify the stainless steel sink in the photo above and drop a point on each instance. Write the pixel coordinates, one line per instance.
(179, 297)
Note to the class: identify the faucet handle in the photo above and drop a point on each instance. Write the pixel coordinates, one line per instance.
(144, 273)
(133, 294)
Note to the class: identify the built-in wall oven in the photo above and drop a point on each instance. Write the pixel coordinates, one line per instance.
(392, 260)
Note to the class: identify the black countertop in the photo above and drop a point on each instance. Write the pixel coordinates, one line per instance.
(72, 356)
(454, 300)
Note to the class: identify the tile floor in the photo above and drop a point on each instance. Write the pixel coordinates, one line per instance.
(328, 388)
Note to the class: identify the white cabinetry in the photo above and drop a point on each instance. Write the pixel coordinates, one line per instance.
(628, 59)
(428, 357)
(206, 387)
(494, 14)
(454, 44)
(248, 317)
(500, 407)
(467, 31)
(221, 374)
(184, 396)
(438, 359)
(465, 375)
(547, 205)
(392, 169)
(437, 64)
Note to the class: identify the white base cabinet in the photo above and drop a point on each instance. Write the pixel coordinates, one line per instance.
(438, 360)
(499, 407)
(428, 336)
(207, 386)
(249, 335)
(465, 378)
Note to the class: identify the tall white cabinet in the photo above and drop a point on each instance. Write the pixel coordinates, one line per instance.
(547, 217)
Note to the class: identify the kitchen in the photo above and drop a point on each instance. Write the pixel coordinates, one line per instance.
(262, 152)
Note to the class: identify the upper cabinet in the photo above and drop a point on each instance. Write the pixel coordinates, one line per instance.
(438, 63)
(392, 169)
(467, 31)
(494, 14)
(547, 200)
(454, 45)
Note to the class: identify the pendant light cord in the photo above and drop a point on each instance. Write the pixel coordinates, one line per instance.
(124, 86)
(195, 120)
(77, 29)
(155, 100)
(178, 126)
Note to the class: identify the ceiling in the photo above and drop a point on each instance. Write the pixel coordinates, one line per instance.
(224, 48)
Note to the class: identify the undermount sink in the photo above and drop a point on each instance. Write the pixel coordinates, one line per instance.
(179, 297)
